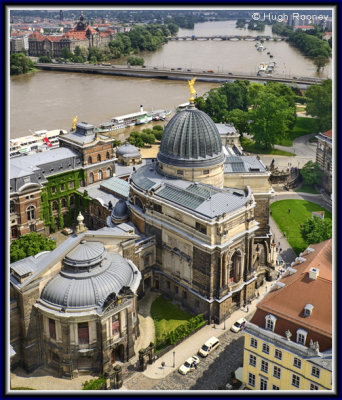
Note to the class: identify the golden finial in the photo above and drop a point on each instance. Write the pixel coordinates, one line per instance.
(74, 121)
(192, 90)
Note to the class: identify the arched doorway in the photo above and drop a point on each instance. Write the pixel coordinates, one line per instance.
(118, 354)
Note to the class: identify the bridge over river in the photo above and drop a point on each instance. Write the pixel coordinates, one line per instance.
(228, 37)
(165, 73)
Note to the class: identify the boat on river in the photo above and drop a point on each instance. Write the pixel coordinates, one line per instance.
(41, 140)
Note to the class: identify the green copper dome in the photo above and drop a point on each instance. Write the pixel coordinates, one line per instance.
(191, 139)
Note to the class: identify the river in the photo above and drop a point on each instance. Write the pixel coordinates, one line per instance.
(50, 100)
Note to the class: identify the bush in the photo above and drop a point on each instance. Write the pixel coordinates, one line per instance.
(45, 59)
(135, 60)
(95, 384)
(30, 245)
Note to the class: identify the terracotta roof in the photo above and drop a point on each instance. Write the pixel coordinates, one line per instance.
(287, 303)
(304, 26)
(328, 133)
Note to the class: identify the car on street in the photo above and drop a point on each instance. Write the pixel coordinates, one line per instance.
(239, 324)
(189, 365)
(67, 231)
(208, 346)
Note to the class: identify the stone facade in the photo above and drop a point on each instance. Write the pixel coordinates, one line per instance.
(324, 159)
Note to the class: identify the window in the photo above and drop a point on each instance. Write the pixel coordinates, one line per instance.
(99, 211)
(263, 384)
(308, 310)
(274, 387)
(270, 322)
(12, 206)
(295, 380)
(108, 172)
(30, 213)
(301, 336)
(91, 178)
(197, 303)
(55, 205)
(315, 372)
(251, 379)
(115, 326)
(107, 155)
(52, 328)
(90, 160)
(184, 295)
(180, 172)
(276, 372)
(201, 228)
(297, 362)
(278, 354)
(53, 189)
(157, 207)
(31, 196)
(176, 289)
(99, 158)
(254, 343)
(252, 360)
(266, 348)
(100, 175)
(264, 366)
(64, 202)
(313, 386)
(62, 187)
(71, 185)
(206, 172)
(72, 200)
(83, 333)
(168, 284)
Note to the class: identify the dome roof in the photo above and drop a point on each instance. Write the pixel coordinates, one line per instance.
(82, 289)
(120, 210)
(86, 254)
(127, 150)
(191, 139)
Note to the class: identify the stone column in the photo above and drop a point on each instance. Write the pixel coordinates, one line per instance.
(225, 271)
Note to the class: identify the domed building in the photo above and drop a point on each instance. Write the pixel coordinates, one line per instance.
(206, 256)
(78, 304)
(127, 154)
(119, 213)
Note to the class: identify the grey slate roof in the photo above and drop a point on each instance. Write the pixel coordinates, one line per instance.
(116, 185)
(243, 164)
(225, 129)
(207, 200)
(127, 150)
(86, 254)
(191, 138)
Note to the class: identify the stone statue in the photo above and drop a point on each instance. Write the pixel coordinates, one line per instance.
(288, 335)
(192, 90)
(74, 122)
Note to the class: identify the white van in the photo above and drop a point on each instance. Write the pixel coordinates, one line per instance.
(208, 346)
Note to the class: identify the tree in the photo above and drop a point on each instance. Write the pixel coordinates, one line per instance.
(116, 143)
(20, 64)
(30, 245)
(319, 103)
(216, 106)
(316, 230)
(135, 60)
(236, 94)
(270, 117)
(239, 119)
(311, 173)
(44, 59)
(66, 53)
(320, 62)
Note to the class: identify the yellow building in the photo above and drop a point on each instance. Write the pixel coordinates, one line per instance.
(288, 343)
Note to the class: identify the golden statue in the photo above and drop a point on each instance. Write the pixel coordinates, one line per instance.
(192, 90)
(74, 122)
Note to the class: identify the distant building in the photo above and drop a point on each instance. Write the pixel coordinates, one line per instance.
(18, 43)
(303, 27)
(288, 342)
(324, 158)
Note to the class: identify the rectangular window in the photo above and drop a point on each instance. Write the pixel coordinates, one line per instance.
(313, 386)
(53, 189)
(52, 328)
(206, 172)
(315, 372)
(179, 172)
(251, 379)
(62, 187)
(115, 326)
(254, 343)
(184, 295)
(71, 185)
(264, 366)
(269, 325)
(176, 289)
(168, 284)
(297, 362)
(263, 384)
(266, 348)
(83, 333)
(157, 207)
(276, 372)
(252, 360)
(300, 339)
(278, 354)
(274, 387)
(201, 228)
(295, 380)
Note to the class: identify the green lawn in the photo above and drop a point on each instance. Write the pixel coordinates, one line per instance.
(167, 316)
(307, 189)
(303, 126)
(251, 147)
(290, 222)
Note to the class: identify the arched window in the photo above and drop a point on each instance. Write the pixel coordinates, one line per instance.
(107, 155)
(108, 171)
(100, 175)
(12, 206)
(90, 160)
(270, 321)
(72, 200)
(64, 202)
(99, 158)
(30, 212)
(55, 205)
(91, 177)
(99, 211)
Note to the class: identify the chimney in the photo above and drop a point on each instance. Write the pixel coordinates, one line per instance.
(292, 270)
(141, 108)
(313, 273)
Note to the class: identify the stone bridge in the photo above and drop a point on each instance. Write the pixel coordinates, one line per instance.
(227, 37)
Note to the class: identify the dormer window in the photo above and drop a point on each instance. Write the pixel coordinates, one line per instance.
(270, 322)
(301, 336)
(308, 310)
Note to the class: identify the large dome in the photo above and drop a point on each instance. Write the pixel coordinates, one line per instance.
(191, 139)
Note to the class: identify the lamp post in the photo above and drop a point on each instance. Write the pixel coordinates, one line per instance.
(224, 324)
(174, 359)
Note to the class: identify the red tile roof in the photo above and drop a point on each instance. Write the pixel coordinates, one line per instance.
(304, 27)
(328, 133)
(287, 303)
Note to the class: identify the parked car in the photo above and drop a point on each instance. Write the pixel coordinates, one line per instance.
(189, 365)
(189, 70)
(238, 325)
(208, 346)
(67, 231)
(179, 68)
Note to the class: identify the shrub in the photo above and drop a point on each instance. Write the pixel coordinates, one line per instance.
(95, 384)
